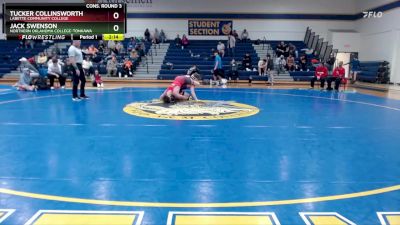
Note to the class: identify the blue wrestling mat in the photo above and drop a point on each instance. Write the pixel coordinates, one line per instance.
(243, 157)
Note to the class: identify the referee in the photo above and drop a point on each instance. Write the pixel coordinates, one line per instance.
(76, 59)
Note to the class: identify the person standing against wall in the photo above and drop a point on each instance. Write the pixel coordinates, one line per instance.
(76, 60)
(270, 67)
(231, 45)
(218, 72)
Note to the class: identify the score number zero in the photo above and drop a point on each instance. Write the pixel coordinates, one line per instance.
(116, 16)
(107, 6)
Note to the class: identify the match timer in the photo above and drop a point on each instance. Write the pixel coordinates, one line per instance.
(61, 21)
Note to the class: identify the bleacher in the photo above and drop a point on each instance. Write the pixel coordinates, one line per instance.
(199, 53)
(11, 52)
(369, 72)
(302, 75)
(102, 66)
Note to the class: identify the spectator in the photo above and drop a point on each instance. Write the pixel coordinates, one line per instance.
(55, 71)
(154, 41)
(221, 49)
(178, 41)
(85, 50)
(119, 48)
(140, 50)
(262, 65)
(293, 50)
(244, 36)
(133, 42)
(231, 45)
(56, 50)
(163, 37)
(321, 73)
(235, 34)
(290, 64)
(218, 72)
(128, 67)
(87, 66)
(130, 47)
(98, 81)
(337, 76)
(246, 62)
(156, 36)
(355, 68)
(41, 59)
(111, 45)
(331, 62)
(234, 73)
(26, 64)
(270, 63)
(25, 81)
(92, 50)
(184, 41)
(102, 46)
(68, 69)
(281, 49)
(147, 35)
(192, 70)
(112, 66)
(134, 55)
(97, 59)
(270, 67)
(281, 63)
(303, 64)
(22, 44)
(30, 44)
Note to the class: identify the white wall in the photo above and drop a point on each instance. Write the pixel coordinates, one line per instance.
(244, 6)
(271, 29)
(345, 41)
(225, 6)
(369, 4)
(380, 39)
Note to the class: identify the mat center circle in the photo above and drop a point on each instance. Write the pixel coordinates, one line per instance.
(191, 110)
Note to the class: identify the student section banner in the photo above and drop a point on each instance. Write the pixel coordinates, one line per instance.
(209, 27)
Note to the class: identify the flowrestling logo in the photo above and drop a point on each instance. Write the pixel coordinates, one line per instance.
(372, 14)
(191, 110)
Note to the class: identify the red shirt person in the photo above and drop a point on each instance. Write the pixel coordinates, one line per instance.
(321, 73)
(338, 75)
(339, 72)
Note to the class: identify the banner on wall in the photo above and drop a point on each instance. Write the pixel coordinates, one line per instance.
(209, 27)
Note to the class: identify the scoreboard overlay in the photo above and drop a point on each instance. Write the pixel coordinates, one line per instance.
(61, 21)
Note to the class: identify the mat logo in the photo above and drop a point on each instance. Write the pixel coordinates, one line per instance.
(373, 14)
(191, 110)
(79, 217)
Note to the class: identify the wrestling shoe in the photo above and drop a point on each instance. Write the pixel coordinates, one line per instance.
(85, 97)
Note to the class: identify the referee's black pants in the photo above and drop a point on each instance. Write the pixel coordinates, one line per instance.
(75, 81)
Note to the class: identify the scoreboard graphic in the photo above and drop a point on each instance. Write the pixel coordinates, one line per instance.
(60, 21)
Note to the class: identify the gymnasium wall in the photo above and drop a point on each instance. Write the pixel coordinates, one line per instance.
(379, 40)
(272, 29)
